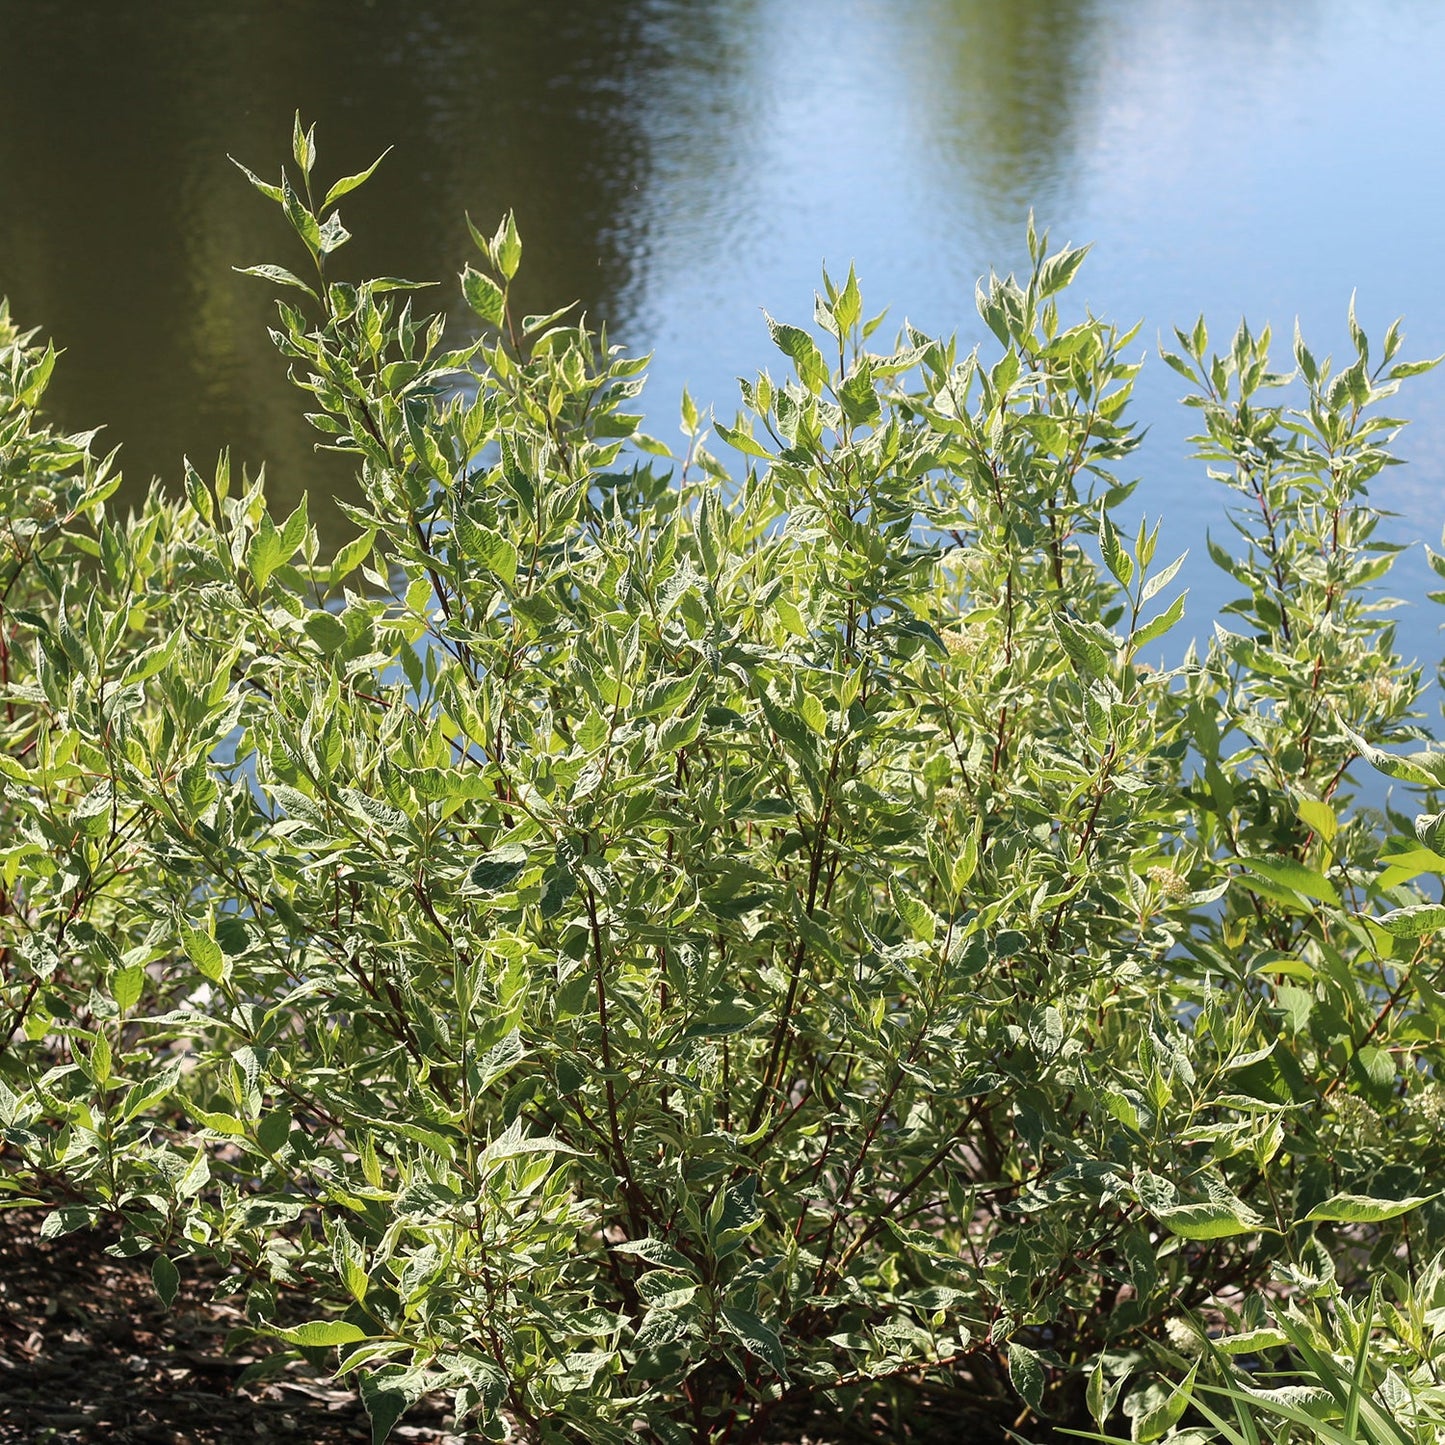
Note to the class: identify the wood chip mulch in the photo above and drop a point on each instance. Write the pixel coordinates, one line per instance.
(88, 1354)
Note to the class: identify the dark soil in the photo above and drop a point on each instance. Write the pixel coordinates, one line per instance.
(88, 1354)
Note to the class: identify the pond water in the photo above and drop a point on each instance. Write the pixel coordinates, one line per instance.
(679, 165)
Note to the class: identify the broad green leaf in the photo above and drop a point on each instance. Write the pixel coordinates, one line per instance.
(1427, 768)
(350, 557)
(1156, 627)
(303, 222)
(1319, 817)
(1294, 875)
(484, 296)
(325, 629)
(742, 440)
(1111, 548)
(1026, 1375)
(1414, 921)
(1059, 270)
(1252, 1342)
(303, 145)
(1085, 651)
(507, 247)
(654, 1251)
(482, 1372)
(166, 1278)
(293, 530)
(320, 1334)
(218, 1122)
(100, 1060)
(66, 1220)
(760, 1338)
(1361, 1209)
(1211, 1220)
(1160, 580)
(125, 987)
(857, 396)
(350, 1263)
(204, 952)
(265, 552)
(271, 192)
(796, 343)
(559, 883)
(495, 871)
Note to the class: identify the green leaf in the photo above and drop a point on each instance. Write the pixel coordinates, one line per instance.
(496, 871)
(273, 1130)
(302, 221)
(1084, 651)
(482, 1373)
(279, 276)
(1413, 368)
(796, 343)
(857, 397)
(320, 1334)
(265, 552)
(100, 1060)
(349, 183)
(1294, 875)
(125, 987)
(507, 247)
(1426, 767)
(294, 529)
(484, 296)
(1059, 271)
(1026, 1375)
(1111, 548)
(333, 234)
(350, 557)
(663, 697)
(166, 1278)
(1414, 921)
(271, 192)
(303, 145)
(498, 555)
(1215, 1219)
(350, 1263)
(1318, 817)
(1160, 580)
(559, 883)
(326, 630)
(1361, 1209)
(759, 1338)
(1156, 627)
(743, 441)
(227, 1124)
(1252, 1342)
(67, 1220)
(204, 952)
(654, 1251)
(1152, 1424)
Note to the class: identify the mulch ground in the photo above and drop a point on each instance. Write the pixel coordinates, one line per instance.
(88, 1354)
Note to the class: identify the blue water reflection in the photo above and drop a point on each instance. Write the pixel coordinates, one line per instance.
(679, 166)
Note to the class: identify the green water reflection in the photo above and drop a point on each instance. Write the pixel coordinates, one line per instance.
(122, 219)
(677, 164)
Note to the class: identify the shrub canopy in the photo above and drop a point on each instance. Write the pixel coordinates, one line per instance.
(642, 943)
